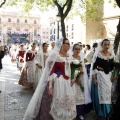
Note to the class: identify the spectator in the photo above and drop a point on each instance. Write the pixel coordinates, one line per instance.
(53, 45)
(88, 65)
(1, 56)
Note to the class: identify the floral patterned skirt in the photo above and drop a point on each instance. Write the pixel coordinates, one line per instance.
(23, 78)
(45, 106)
(64, 104)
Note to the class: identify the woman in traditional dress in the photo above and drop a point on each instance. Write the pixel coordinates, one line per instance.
(79, 76)
(40, 60)
(13, 53)
(57, 69)
(20, 57)
(101, 83)
(27, 77)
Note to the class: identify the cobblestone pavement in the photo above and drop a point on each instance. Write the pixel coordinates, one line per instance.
(14, 98)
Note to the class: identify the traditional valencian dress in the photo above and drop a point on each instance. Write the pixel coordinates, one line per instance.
(83, 100)
(20, 56)
(27, 77)
(63, 105)
(40, 58)
(101, 94)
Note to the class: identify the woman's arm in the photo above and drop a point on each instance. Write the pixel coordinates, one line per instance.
(38, 60)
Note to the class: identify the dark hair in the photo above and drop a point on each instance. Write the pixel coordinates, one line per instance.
(53, 42)
(88, 46)
(44, 44)
(75, 45)
(104, 41)
(95, 45)
(32, 44)
(83, 45)
(64, 39)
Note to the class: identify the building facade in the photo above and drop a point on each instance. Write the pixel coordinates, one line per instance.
(105, 27)
(45, 34)
(17, 29)
(75, 30)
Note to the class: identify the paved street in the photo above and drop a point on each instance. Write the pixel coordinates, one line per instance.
(14, 98)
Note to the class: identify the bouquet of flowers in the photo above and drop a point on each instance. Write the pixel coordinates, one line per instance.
(77, 72)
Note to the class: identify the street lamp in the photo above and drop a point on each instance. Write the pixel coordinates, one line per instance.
(58, 18)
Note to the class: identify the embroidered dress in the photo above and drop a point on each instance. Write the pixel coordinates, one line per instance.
(40, 58)
(82, 106)
(63, 105)
(45, 106)
(101, 94)
(20, 56)
(27, 77)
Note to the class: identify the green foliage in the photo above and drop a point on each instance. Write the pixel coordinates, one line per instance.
(86, 9)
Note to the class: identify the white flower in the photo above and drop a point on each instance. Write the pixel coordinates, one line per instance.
(76, 62)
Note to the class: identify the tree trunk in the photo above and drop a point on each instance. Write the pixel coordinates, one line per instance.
(117, 38)
(118, 3)
(2, 3)
(63, 27)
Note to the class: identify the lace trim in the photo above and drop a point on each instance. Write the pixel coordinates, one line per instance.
(64, 108)
(105, 57)
(65, 116)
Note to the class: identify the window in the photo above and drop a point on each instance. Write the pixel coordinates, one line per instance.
(35, 32)
(67, 34)
(25, 21)
(50, 31)
(9, 19)
(72, 36)
(9, 30)
(67, 28)
(54, 31)
(72, 26)
(0, 20)
(35, 22)
(18, 21)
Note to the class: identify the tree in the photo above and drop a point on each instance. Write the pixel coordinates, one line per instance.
(63, 6)
(85, 8)
(117, 37)
(2, 3)
(63, 13)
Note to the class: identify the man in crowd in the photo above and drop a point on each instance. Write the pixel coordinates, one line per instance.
(1, 56)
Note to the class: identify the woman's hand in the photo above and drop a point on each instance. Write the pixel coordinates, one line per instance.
(38, 65)
(50, 91)
(79, 82)
(95, 82)
(114, 78)
(1, 48)
(73, 81)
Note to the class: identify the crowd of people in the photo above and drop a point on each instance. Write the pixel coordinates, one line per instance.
(68, 80)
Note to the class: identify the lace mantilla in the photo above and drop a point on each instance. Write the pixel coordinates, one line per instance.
(105, 57)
